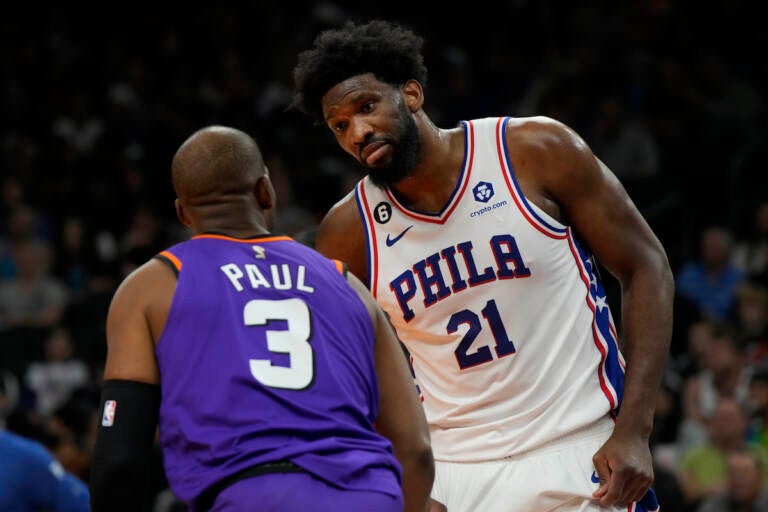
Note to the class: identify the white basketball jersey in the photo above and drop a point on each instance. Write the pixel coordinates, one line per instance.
(512, 342)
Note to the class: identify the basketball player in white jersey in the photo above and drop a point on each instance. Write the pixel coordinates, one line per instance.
(478, 241)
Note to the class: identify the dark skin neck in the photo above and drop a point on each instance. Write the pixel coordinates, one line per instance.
(231, 219)
(434, 179)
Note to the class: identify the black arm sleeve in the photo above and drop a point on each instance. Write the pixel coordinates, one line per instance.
(124, 442)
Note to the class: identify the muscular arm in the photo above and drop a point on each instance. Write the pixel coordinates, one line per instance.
(123, 447)
(341, 236)
(401, 417)
(597, 206)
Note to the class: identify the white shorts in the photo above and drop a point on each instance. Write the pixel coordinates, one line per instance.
(556, 477)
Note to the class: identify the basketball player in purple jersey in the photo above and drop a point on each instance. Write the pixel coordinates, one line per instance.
(276, 381)
(478, 241)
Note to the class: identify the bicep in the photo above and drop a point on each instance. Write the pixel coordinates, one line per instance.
(341, 236)
(602, 213)
(130, 346)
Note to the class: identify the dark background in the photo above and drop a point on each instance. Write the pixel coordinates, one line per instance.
(95, 100)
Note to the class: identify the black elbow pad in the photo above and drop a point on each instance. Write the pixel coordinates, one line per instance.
(124, 442)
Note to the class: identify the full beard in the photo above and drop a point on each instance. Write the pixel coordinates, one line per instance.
(405, 154)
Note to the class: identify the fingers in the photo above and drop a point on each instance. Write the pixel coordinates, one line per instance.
(603, 472)
(621, 487)
(638, 488)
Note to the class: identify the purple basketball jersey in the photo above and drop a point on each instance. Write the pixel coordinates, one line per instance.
(267, 355)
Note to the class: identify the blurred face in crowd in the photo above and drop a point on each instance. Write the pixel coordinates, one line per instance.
(744, 477)
(723, 355)
(758, 394)
(31, 260)
(73, 233)
(727, 424)
(699, 342)
(753, 311)
(715, 248)
(58, 346)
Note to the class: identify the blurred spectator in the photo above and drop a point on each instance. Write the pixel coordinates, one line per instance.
(624, 143)
(723, 375)
(54, 380)
(81, 128)
(145, 237)
(751, 253)
(711, 282)
(9, 395)
(32, 480)
(69, 432)
(86, 118)
(668, 490)
(758, 407)
(12, 195)
(76, 259)
(751, 322)
(703, 469)
(668, 413)
(21, 229)
(33, 297)
(745, 490)
(698, 341)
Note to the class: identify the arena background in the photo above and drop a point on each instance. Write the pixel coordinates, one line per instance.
(95, 99)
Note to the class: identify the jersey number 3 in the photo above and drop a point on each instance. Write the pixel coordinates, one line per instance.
(504, 345)
(294, 342)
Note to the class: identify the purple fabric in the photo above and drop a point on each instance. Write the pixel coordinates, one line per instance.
(292, 492)
(237, 302)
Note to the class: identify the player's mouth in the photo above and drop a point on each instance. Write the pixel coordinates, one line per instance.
(373, 151)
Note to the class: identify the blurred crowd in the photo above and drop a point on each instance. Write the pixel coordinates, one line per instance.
(95, 100)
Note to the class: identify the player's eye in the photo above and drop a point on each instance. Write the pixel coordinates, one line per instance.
(367, 107)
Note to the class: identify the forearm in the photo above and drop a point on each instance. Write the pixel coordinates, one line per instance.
(418, 476)
(123, 446)
(647, 329)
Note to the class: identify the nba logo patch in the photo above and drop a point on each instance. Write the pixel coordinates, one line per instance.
(108, 418)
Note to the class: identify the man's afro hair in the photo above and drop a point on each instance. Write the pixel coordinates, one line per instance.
(391, 52)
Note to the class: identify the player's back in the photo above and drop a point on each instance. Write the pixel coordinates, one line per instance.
(267, 355)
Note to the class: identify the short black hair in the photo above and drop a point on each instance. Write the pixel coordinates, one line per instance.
(390, 51)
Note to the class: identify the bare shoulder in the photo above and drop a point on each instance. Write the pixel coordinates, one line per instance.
(541, 139)
(135, 321)
(139, 284)
(341, 236)
(551, 162)
(147, 292)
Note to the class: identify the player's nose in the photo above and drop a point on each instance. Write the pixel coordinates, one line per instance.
(360, 132)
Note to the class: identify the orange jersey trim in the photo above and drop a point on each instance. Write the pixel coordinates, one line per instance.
(173, 259)
(339, 266)
(246, 240)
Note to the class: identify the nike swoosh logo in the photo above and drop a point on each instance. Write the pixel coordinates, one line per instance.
(595, 479)
(392, 241)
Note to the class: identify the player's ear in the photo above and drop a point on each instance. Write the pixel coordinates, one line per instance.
(413, 94)
(265, 193)
(181, 214)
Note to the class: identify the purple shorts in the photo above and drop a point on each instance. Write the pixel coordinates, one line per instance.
(283, 492)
